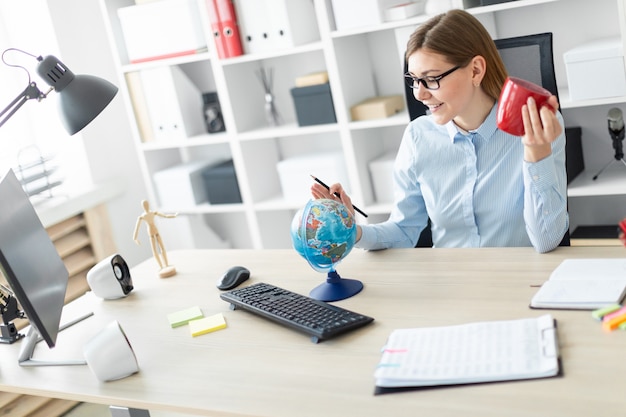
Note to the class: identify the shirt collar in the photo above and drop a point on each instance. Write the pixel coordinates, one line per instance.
(485, 130)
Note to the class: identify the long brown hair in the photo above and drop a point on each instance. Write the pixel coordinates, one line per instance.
(459, 37)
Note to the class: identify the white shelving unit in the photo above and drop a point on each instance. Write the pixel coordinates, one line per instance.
(361, 63)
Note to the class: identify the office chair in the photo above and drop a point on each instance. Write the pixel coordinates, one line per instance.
(529, 57)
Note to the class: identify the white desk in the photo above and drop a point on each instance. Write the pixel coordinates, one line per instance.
(257, 368)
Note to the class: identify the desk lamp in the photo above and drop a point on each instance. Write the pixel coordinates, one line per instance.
(82, 97)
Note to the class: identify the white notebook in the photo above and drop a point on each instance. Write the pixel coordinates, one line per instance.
(584, 284)
(469, 353)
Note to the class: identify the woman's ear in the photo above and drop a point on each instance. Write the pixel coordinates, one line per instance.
(479, 66)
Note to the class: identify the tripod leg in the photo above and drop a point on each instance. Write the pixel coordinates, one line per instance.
(595, 177)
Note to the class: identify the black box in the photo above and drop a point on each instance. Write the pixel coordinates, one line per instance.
(221, 184)
(574, 163)
(314, 104)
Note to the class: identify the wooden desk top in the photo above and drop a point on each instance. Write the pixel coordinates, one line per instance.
(257, 368)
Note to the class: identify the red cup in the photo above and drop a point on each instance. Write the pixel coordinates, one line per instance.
(514, 95)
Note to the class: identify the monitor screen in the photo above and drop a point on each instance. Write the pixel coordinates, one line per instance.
(29, 261)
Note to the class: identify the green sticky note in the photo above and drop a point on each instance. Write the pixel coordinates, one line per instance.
(207, 324)
(183, 317)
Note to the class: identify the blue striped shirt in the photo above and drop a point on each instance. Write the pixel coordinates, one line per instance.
(475, 187)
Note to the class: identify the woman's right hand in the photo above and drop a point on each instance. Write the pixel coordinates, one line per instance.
(319, 191)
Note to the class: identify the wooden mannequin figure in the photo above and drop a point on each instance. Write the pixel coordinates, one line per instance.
(156, 243)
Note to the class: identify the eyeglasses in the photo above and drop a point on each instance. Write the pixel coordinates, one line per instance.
(430, 83)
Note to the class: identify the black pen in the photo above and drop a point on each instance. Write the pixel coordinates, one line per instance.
(320, 182)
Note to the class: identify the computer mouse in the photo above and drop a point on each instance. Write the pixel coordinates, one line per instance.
(233, 277)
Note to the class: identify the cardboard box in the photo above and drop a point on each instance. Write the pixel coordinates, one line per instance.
(314, 104)
(595, 70)
(295, 174)
(356, 13)
(381, 173)
(182, 185)
(220, 182)
(377, 107)
(313, 78)
(162, 29)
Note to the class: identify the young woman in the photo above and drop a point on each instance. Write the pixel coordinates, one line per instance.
(479, 186)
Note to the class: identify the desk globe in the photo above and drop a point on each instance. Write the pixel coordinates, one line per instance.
(324, 233)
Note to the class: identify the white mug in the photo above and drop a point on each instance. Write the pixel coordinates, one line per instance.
(109, 354)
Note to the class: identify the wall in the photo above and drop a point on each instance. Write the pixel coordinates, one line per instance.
(108, 143)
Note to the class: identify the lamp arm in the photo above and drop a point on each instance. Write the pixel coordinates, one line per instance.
(29, 93)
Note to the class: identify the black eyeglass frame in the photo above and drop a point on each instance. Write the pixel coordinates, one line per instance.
(414, 82)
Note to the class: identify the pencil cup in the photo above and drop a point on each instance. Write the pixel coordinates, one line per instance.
(514, 95)
(109, 354)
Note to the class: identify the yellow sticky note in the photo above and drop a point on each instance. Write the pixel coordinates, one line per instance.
(207, 324)
(183, 317)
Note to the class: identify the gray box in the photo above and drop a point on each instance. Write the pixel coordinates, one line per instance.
(221, 184)
(477, 3)
(314, 104)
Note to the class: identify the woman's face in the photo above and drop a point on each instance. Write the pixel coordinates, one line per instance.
(453, 97)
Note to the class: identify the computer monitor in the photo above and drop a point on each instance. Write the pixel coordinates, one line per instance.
(33, 269)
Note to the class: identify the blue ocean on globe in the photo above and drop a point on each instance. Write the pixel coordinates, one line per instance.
(323, 233)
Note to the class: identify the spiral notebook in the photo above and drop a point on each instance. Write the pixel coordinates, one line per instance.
(583, 284)
(470, 353)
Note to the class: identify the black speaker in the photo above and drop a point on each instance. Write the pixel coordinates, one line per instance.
(110, 278)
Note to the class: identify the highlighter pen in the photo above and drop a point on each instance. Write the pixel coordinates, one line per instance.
(320, 182)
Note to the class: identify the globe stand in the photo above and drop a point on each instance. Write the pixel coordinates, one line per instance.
(336, 288)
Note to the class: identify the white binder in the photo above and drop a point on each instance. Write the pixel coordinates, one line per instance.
(174, 103)
(291, 23)
(269, 25)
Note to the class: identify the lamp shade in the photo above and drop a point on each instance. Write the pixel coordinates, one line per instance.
(82, 97)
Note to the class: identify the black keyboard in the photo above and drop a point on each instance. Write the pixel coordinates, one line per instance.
(316, 318)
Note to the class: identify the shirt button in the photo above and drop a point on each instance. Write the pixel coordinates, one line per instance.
(536, 177)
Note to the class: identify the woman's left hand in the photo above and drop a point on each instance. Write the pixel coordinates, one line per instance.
(541, 128)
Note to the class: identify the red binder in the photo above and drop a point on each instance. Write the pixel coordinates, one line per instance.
(216, 28)
(230, 28)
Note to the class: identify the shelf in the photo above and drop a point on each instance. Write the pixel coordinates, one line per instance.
(566, 103)
(361, 63)
(186, 59)
(610, 182)
(291, 129)
(310, 47)
(72, 243)
(416, 20)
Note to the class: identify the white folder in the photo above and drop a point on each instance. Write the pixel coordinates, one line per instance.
(291, 23)
(174, 103)
(253, 25)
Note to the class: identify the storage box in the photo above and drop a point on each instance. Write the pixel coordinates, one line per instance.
(377, 107)
(182, 185)
(314, 104)
(381, 173)
(220, 182)
(356, 13)
(295, 174)
(477, 3)
(596, 70)
(405, 10)
(162, 29)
